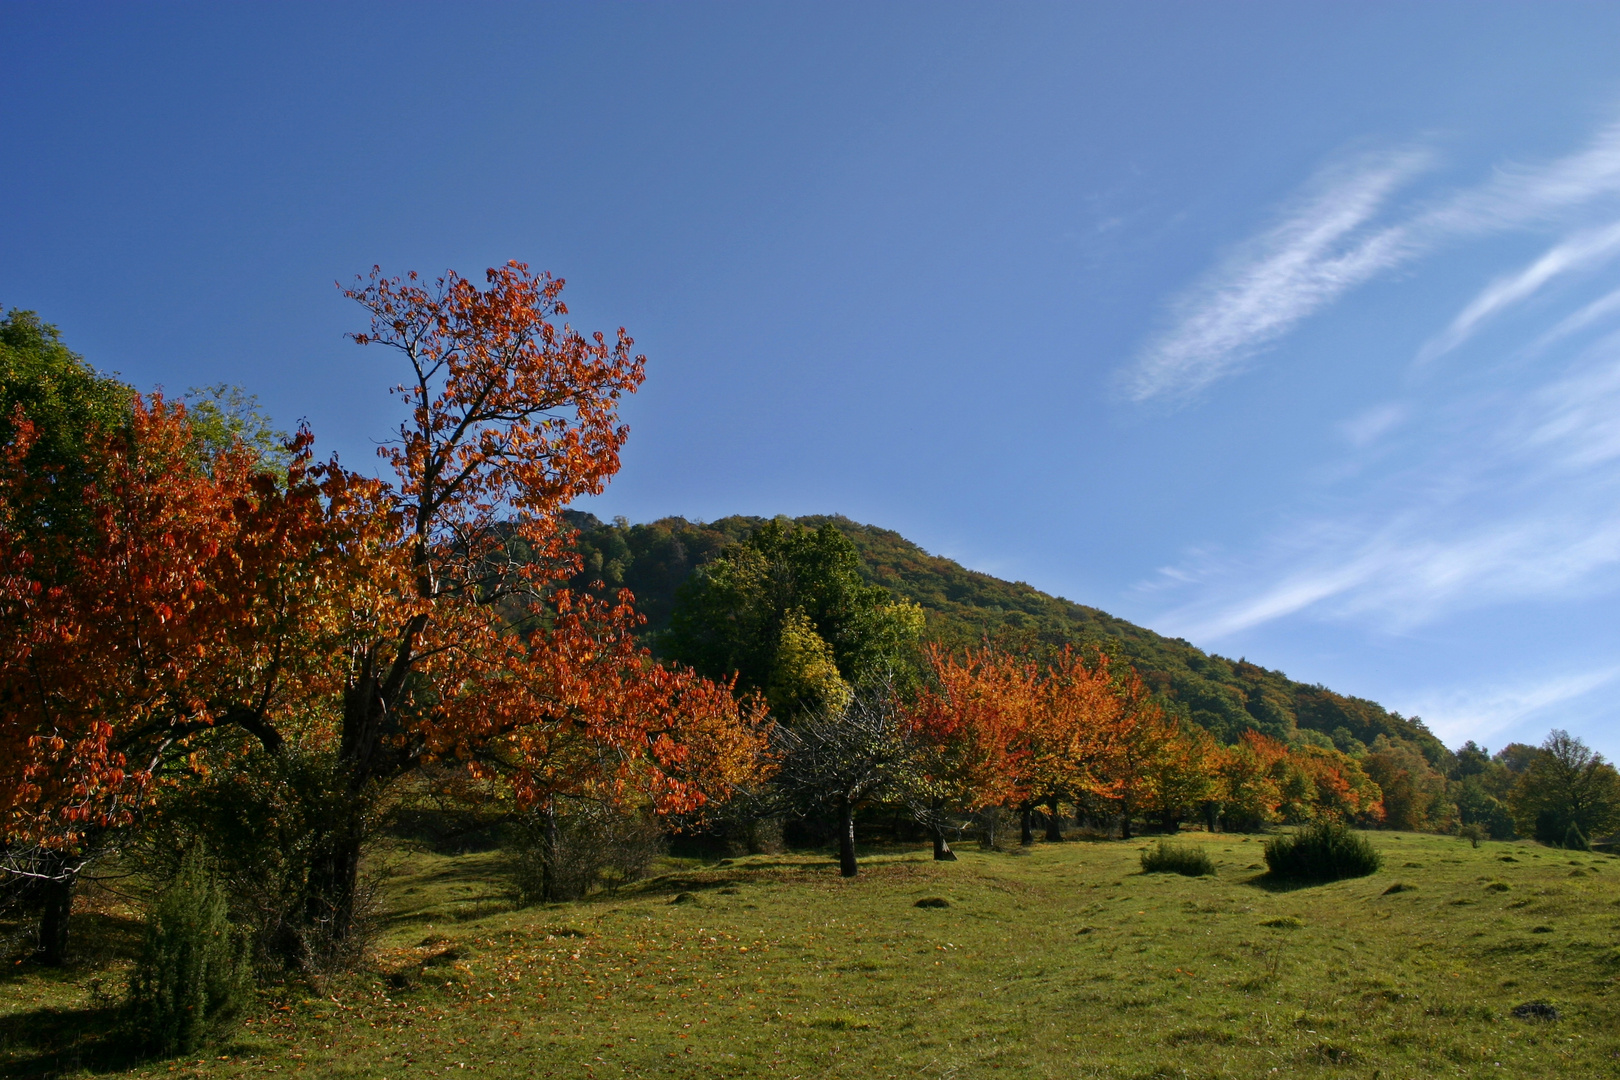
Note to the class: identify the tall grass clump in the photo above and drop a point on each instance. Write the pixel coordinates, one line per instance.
(1171, 858)
(193, 970)
(1326, 851)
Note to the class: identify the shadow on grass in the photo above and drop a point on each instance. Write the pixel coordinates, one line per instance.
(1273, 884)
(53, 1042)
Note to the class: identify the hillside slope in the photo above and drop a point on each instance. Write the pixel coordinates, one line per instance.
(966, 607)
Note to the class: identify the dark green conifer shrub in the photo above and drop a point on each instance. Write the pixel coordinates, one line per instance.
(193, 970)
(1575, 840)
(1326, 851)
(1168, 857)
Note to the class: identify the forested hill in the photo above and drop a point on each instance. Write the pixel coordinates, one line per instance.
(966, 607)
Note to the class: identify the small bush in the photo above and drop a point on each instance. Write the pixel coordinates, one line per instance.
(1326, 851)
(993, 824)
(580, 847)
(1168, 857)
(1473, 834)
(193, 970)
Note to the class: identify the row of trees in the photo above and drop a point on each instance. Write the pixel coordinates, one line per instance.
(868, 715)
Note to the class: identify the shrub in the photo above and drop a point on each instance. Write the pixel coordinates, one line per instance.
(580, 846)
(192, 972)
(993, 823)
(261, 823)
(1472, 833)
(1326, 851)
(1172, 858)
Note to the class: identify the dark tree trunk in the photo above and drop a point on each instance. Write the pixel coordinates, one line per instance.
(846, 841)
(1125, 824)
(364, 757)
(53, 920)
(550, 850)
(334, 878)
(1211, 816)
(1054, 824)
(1026, 824)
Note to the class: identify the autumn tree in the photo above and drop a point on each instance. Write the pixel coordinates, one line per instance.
(472, 654)
(387, 627)
(1249, 793)
(1413, 792)
(191, 593)
(1182, 775)
(967, 722)
(1078, 739)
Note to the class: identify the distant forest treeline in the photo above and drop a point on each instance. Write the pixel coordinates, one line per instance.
(965, 607)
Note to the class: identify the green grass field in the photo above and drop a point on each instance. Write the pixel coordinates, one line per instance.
(1064, 962)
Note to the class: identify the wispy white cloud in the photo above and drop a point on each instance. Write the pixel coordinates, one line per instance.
(1514, 496)
(1520, 195)
(1313, 256)
(1482, 712)
(1574, 323)
(1584, 250)
(1329, 243)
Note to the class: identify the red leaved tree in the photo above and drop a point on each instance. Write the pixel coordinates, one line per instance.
(195, 592)
(477, 654)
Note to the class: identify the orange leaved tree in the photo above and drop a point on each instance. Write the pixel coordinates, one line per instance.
(473, 653)
(968, 720)
(190, 592)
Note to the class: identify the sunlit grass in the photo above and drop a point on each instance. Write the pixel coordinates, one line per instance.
(1066, 962)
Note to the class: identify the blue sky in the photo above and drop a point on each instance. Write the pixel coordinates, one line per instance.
(1290, 329)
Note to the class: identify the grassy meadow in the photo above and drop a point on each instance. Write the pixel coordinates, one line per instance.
(1066, 961)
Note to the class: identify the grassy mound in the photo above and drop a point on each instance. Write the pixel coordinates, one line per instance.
(1169, 857)
(1326, 851)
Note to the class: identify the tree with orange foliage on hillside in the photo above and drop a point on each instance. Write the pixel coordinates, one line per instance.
(969, 721)
(1181, 771)
(477, 656)
(194, 592)
(1264, 780)
(1078, 741)
(1248, 791)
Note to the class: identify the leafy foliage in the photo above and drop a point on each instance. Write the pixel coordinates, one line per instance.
(1567, 793)
(777, 608)
(1325, 851)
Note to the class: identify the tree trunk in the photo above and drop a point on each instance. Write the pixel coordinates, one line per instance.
(942, 850)
(846, 841)
(1125, 824)
(550, 850)
(1026, 824)
(53, 920)
(1054, 824)
(1211, 816)
(334, 879)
